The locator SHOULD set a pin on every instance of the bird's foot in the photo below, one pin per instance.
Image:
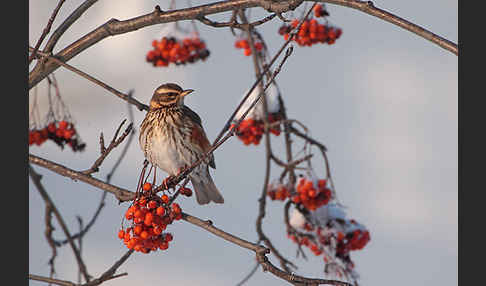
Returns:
(182, 170)
(166, 181)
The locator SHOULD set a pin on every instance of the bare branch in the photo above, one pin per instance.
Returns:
(249, 275)
(121, 194)
(115, 27)
(50, 240)
(369, 8)
(46, 30)
(36, 180)
(234, 24)
(67, 23)
(260, 252)
(121, 95)
(51, 280)
(110, 273)
(113, 144)
(207, 225)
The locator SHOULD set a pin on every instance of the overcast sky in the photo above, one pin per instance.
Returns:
(383, 101)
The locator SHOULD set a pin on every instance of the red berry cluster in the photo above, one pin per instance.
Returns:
(38, 136)
(320, 241)
(308, 242)
(319, 11)
(250, 130)
(61, 132)
(150, 216)
(310, 196)
(185, 191)
(311, 31)
(245, 45)
(171, 50)
(352, 240)
(278, 192)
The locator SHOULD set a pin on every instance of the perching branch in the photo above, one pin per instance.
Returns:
(259, 250)
(121, 194)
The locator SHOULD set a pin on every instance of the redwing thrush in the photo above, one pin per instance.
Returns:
(172, 138)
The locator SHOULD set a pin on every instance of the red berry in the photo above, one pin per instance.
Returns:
(63, 124)
(168, 237)
(165, 198)
(164, 245)
(51, 127)
(152, 204)
(160, 211)
(147, 186)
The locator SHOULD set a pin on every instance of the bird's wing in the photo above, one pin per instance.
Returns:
(193, 115)
(198, 136)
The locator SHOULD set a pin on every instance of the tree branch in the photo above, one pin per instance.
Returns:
(46, 30)
(66, 24)
(369, 8)
(115, 27)
(113, 144)
(121, 95)
(121, 194)
(36, 180)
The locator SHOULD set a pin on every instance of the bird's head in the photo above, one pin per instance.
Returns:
(168, 95)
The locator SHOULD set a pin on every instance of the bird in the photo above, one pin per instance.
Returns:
(172, 137)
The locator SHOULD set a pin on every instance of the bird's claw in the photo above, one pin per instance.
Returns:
(182, 170)
(165, 182)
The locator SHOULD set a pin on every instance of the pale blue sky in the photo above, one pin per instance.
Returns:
(383, 100)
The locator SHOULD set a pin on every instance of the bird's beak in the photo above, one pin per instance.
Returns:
(186, 92)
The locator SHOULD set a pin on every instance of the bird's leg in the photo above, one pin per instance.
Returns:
(153, 182)
(165, 182)
(182, 170)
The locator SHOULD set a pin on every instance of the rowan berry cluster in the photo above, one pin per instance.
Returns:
(179, 52)
(61, 132)
(326, 231)
(150, 215)
(250, 130)
(245, 45)
(312, 195)
(307, 241)
(278, 192)
(352, 240)
(311, 31)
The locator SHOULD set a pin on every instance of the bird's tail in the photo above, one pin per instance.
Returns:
(205, 189)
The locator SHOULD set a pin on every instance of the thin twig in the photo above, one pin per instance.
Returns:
(173, 181)
(46, 30)
(121, 95)
(121, 194)
(207, 225)
(249, 275)
(75, 15)
(80, 243)
(113, 144)
(51, 280)
(36, 180)
(115, 27)
(234, 24)
(50, 240)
